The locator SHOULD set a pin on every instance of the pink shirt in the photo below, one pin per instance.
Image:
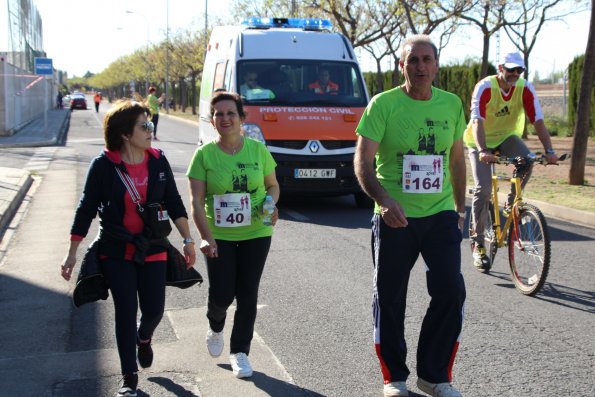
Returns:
(139, 173)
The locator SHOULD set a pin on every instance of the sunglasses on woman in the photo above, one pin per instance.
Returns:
(518, 70)
(148, 126)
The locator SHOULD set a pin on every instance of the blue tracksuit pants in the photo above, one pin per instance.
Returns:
(395, 250)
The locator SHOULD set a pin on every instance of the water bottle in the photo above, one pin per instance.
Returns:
(268, 207)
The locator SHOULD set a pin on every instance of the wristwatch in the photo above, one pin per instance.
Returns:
(550, 151)
(188, 240)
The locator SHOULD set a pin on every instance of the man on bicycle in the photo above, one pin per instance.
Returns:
(499, 106)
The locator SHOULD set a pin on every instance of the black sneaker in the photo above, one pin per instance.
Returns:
(129, 384)
(481, 261)
(145, 354)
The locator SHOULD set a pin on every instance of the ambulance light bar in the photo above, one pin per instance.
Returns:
(299, 23)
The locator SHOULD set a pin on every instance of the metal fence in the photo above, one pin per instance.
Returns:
(23, 97)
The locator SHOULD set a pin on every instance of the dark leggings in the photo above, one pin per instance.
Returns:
(155, 121)
(127, 279)
(236, 274)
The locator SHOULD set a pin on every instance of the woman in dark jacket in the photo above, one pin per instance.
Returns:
(132, 260)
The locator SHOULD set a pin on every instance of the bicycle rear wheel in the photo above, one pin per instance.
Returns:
(529, 250)
(489, 241)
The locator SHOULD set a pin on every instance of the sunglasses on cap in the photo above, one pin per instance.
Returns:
(148, 126)
(518, 70)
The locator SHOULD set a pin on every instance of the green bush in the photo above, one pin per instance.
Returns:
(557, 126)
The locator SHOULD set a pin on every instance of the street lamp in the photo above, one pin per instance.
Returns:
(146, 51)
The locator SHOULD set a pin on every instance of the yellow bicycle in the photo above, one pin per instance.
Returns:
(525, 231)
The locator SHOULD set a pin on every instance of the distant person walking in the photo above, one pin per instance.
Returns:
(97, 99)
(59, 99)
(153, 103)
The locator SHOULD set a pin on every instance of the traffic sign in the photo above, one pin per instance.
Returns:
(44, 66)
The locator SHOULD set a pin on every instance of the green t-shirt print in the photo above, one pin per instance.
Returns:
(243, 172)
(404, 126)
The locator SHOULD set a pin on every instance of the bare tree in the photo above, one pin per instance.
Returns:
(424, 17)
(488, 16)
(581, 130)
(533, 15)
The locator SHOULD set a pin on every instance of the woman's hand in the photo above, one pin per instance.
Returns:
(68, 266)
(209, 248)
(189, 254)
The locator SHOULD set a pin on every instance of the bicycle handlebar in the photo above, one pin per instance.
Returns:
(529, 159)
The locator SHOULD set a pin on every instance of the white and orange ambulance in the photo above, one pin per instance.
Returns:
(303, 93)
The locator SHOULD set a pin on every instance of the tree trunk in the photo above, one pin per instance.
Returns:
(485, 59)
(193, 93)
(395, 75)
(379, 77)
(581, 130)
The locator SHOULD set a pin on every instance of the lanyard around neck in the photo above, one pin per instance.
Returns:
(134, 195)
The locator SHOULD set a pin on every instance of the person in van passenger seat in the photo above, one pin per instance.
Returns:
(324, 85)
(251, 90)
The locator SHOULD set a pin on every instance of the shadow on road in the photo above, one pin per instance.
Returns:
(275, 387)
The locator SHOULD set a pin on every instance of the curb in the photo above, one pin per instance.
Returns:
(10, 204)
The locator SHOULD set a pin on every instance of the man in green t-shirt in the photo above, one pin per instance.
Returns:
(409, 159)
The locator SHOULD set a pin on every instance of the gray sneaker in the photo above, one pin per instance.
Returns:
(437, 389)
(215, 342)
(395, 389)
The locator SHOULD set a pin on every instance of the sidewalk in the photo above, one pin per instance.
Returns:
(14, 182)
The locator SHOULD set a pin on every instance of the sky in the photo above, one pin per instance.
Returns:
(83, 35)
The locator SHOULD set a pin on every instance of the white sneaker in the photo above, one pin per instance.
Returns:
(215, 343)
(395, 389)
(438, 389)
(240, 365)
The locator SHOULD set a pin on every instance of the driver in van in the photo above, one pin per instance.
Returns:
(324, 85)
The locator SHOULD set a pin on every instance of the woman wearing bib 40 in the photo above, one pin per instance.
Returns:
(229, 218)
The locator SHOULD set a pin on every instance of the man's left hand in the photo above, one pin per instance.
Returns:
(551, 158)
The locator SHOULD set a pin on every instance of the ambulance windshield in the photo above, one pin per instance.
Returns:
(291, 82)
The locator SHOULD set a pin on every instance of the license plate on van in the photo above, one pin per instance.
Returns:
(315, 173)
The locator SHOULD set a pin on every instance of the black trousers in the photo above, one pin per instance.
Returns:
(438, 239)
(236, 274)
(132, 285)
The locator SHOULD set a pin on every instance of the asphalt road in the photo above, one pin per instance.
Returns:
(315, 299)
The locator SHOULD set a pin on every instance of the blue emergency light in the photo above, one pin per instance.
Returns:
(298, 23)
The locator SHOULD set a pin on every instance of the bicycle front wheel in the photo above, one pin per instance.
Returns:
(529, 250)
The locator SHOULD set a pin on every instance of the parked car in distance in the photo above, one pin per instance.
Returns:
(78, 102)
